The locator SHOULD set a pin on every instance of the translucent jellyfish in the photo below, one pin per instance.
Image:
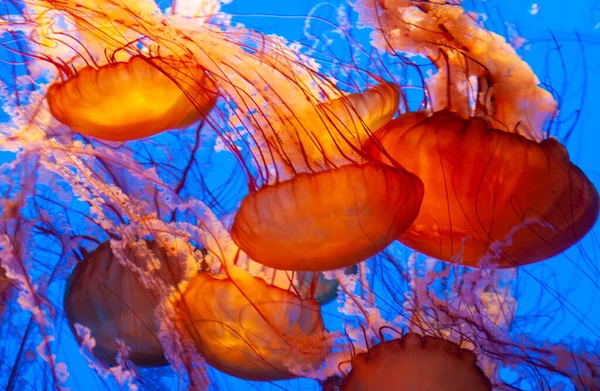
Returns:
(490, 194)
(249, 329)
(108, 298)
(130, 100)
(327, 220)
(416, 363)
(319, 287)
(501, 197)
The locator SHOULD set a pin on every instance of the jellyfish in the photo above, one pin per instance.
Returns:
(500, 195)
(246, 328)
(327, 220)
(108, 298)
(413, 362)
(488, 194)
(319, 287)
(130, 100)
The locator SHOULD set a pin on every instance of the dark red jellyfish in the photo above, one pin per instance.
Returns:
(252, 330)
(131, 100)
(488, 194)
(415, 363)
(109, 298)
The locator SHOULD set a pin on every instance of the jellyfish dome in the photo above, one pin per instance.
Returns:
(109, 299)
(249, 329)
(328, 220)
(135, 99)
(414, 363)
(489, 194)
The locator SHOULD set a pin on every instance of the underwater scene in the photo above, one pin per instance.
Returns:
(299, 195)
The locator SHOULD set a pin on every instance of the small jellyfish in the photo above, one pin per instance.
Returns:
(317, 286)
(131, 100)
(488, 193)
(328, 220)
(108, 298)
(249, 329)
(415, 363)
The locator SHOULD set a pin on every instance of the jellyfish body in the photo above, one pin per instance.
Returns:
(108, 298)
(488, 193)
(335, 130)
(328, 220)
(415, 363)
(132, 100)
(249, 329)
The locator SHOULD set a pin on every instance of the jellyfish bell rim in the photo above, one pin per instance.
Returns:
(404, 191)
(413, 347)
(82, 101)
(573, 182)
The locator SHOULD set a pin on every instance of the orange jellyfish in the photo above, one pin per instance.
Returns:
(109, 299)
(131, 100)
(488, 193)
(249, 329)
(414, 363)
(327, 220)
(338, 217)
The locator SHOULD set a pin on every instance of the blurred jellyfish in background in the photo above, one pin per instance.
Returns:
(218, 195)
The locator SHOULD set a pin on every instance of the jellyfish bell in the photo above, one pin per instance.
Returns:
(109, 299)
(249, 329)
(335, 130)
(488, 193)
(414, 363)
(328, 220)
(131, 100)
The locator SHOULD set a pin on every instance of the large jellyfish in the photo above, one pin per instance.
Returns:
(489, 194)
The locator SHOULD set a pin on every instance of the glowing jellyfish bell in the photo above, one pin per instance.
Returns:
(416, 363)
(246, 328)
(130, 100)
(498, 195)
(334, 218)
(108, 298)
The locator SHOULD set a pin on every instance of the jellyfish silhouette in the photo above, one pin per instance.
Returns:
(110, 300)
